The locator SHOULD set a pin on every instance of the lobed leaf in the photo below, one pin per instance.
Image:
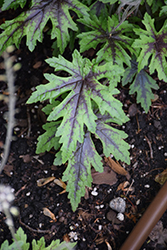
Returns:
(129, 73)
(82, 87)
(163, 10)
(79, 170)
(111, 34)
(5, 245)
(112, 140)
(13, 4)
(48, 140)
(22, 244)
(153, 47)
(87, 104)
(32, 22)
(142, 85)
(21, 236)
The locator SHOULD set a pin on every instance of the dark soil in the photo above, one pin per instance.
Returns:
(89, 222)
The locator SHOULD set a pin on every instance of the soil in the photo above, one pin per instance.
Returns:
(90, 225)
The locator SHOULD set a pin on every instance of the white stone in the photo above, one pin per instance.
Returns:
(118, 204)
(120, 216)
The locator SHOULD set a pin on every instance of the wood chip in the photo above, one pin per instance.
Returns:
(115, 166)
(162, 177)
(48, 213)
(60, 183)
(26, 158)
(43, 181)
(106, 177)
(123, 185)
(37, 65)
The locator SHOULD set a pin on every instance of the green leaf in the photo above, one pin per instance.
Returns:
(153, 47)
(5, 245)
(49, 107)
(58, 159)
(111, 34)
(48, 140)
(129, 73)
(149, 2)
(78, 172)
(109, 1)
(87, 91)
(13, 246)
(164, 9)
(112, 140)
(32, 22)
(13, 4)
(38, 245)
(82, 87)
(156, 5)
(142, 85)
(55, 245)
(21, 238)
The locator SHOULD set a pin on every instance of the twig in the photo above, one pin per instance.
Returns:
(8, 61)
(138, 125)
(22, 188)
(129, 187)
(10, 79)
(29, 122)
(149, 144)
(34, 230)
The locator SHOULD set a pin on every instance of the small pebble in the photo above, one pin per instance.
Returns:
(120, 216)
(133, 110)
(118, 204)
(73, 235)
(94, 192)
(97, 207)
(40, 225)
(16, 129)
(109, 191)
(138, 202)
